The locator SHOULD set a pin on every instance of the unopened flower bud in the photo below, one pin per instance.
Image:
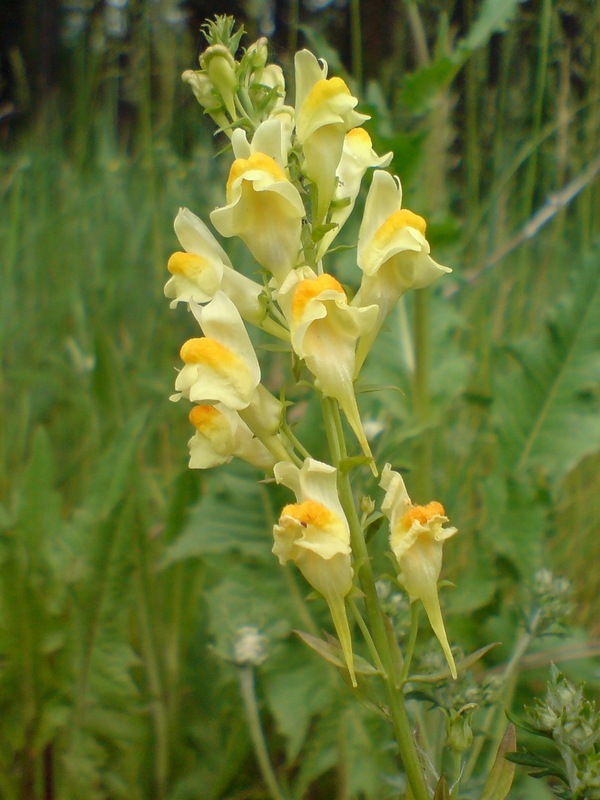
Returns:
(367, 505)
(203, 90)
(221, 68)
(458, 729)
(258, 53)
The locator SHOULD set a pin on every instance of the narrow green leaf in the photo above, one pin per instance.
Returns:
(441, 790)
(333, 654)
(500, 778)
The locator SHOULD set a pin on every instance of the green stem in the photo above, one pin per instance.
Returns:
(355, 33)
(421, 394)
(397, 710)
(366, 635)
(509, 677)
(293, 439)
(412, 640)
(275, 329)
(246, 679)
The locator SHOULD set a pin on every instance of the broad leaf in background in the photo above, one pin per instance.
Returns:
(103, 540)
(231, 516)
(547, 397)
(420, 88)
(389, 371)
(339, 742)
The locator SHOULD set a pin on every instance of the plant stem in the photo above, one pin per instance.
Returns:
(412, 640)
(395, 698)
(421, 395)
(366, 635)
(355, 32)
(246, 679)
(509, 677)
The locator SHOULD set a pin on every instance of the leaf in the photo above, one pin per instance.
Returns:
(420, 88)
(333, 654)
(543, 767)
(441, 790)
(500, 778)
(298, 688)
(462, 665)
(547, 403)
(494, 16)
(231, 517)
(354, 742)
(514, 523)
(251, 595)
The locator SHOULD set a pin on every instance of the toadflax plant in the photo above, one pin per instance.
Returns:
(294, 180)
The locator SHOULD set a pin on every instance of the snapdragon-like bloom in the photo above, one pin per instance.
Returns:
(416, 538)
(263, 207)
(393, 252)
(314, 534)
(357, 157)
(204, 268)
(221, 366)
(220, 435)
(324, 331)
(324, 115)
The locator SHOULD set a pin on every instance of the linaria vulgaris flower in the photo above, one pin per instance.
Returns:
(263, 207)
(221, 366)
(220, 435)
(324, 332)
(204, 268)
(357, 157)
(393, 252)
(324, 115)
(314, 534)
(416, 538)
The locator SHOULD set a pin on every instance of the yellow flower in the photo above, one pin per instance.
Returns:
(264, 209)
(357, 157)
(324, 331)
(204, 268)
(220, 435)
(393, 252)
(324, 115)
(222, 367)
(314, 534)
(416, 538)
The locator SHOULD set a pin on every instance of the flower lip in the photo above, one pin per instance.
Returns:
(308, 289)
(205, 417)
(310, 512)
(188, 264)
(422, 514)
(403, 218)
(204, 350)
(258, 163)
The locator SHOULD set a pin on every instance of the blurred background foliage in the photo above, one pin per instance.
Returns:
(125, 578)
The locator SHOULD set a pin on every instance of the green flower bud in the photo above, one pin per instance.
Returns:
(220, 66)
(257, 54)
(459, 735)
